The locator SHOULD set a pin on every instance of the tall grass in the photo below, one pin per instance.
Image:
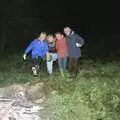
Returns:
(93, 95)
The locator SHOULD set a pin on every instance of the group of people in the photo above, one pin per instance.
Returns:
(64, 47)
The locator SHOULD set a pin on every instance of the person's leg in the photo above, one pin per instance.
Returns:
(49, 67)
(61, 67)
(60, 63)
(34, 61)
(35, 65)
(76, 66)
(50, 63)
(54, 56)
(65, 59)
(70, 65)
(65, 63)
(73, 66)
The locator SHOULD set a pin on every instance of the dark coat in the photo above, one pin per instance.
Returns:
(72, 39)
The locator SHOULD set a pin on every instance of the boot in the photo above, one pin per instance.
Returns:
(34, 70)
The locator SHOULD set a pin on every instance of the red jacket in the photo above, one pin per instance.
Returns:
(61, 46)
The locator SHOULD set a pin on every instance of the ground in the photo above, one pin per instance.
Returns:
(93, 95)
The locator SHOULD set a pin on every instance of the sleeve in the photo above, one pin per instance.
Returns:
(46, 47)
(80, 39)
(57, 45)
(29, 48)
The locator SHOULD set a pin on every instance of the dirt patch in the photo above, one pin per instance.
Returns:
(25, 101)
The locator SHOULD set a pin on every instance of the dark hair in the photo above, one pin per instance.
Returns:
(67, 27)
(59, 33)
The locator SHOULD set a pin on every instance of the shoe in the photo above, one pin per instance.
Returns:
(37, 67)
(34, 71)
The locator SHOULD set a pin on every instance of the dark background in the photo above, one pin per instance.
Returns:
(98, 22)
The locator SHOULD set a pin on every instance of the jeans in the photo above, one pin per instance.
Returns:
(62, 61)
(50, 63)
(73, 65)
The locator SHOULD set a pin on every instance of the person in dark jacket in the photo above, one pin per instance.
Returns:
(75, 42)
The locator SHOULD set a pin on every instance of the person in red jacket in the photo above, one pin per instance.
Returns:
(62, 51)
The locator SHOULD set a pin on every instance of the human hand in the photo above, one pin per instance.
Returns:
(78, 45)
(24, 56)
(48, 57)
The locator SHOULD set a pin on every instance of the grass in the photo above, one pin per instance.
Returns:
(93, 95)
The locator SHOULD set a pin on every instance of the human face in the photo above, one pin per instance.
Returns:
(58, 36)
(50, 39)
(67, 31)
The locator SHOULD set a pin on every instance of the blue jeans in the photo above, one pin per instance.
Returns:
(62, 61)
(50, 63)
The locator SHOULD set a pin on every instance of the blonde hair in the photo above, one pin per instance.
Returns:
(43, 34)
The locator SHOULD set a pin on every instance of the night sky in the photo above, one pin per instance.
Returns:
(97, 22)
(82, 15)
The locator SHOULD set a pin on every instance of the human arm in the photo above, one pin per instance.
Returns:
(79, 41)
(28, 49)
